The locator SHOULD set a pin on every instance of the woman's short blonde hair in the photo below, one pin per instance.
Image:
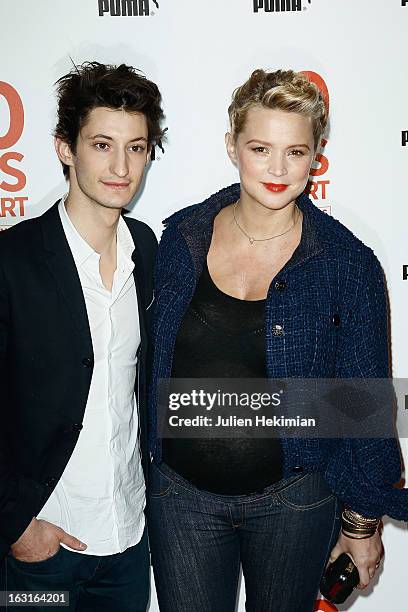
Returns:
(284, 90)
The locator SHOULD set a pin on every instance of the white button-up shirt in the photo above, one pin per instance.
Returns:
(100, 497)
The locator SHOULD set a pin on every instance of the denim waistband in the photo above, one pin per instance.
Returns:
(168, 472)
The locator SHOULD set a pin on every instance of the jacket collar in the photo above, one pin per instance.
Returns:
(196, 225)
(62, 266)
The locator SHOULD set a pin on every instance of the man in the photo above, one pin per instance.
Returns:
(75, 289)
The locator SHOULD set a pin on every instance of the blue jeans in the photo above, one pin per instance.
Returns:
(111, 583)
(282, 538)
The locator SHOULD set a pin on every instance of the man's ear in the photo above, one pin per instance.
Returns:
(231, 147)
(64, 151)
(149, 155)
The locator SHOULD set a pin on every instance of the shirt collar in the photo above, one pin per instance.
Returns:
(125, 241)
(81, 250)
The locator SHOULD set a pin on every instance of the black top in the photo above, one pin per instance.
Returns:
(223, 337)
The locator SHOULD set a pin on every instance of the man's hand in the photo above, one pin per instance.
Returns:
(42, 540)
(366, 555)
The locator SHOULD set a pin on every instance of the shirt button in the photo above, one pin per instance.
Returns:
(280, 286)
(87, 362)
(277, 330)
(297, 468)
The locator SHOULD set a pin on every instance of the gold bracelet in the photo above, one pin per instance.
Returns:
(361, 530)
(359, 526)
(358, 518)
(352, 518)
(361, 534)
(353, 537)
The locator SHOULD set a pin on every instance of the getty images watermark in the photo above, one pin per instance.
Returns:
(223, 400)
(308, 408)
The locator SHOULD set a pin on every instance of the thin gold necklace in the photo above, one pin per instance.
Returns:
(251, 238)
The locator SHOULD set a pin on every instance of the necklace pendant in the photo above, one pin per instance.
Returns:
(251, 240)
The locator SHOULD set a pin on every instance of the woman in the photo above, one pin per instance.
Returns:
(257, 282)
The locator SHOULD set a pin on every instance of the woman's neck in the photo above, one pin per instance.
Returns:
(260, 221)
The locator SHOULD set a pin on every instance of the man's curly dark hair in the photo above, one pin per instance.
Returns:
(91, 85)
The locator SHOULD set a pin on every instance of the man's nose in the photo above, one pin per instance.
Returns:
(120, 164)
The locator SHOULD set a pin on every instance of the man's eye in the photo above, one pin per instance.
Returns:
(296, 152)
(102, 146)
(137, 148)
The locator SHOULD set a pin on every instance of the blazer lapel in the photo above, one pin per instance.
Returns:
(138, 274)
(61, 264)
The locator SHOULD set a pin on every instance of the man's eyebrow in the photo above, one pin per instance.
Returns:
(138, 138)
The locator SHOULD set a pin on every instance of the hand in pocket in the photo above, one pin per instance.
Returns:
(41, 540)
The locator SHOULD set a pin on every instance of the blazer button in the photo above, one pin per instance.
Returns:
(277, 330)
(297, 468)
(87, 362)
(51, 481)
(280, 384)
(280, 286)
(336, 320)
(77, 427)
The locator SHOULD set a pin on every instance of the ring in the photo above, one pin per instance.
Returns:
(377, 565)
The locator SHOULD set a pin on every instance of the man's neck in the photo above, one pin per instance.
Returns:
(96, 224)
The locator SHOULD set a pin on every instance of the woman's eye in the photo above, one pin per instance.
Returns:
(137, 148)
(296, 152)
(260, 149)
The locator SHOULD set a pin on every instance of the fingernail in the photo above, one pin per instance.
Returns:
(82, 545)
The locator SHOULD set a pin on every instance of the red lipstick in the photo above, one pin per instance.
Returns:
(275, 187)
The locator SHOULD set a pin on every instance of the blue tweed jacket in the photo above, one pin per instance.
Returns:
(333, 315)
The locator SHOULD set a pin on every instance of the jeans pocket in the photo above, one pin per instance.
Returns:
(43, 564)
(310, 491)
(160, 485)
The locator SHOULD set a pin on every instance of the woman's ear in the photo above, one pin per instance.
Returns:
(230, 145)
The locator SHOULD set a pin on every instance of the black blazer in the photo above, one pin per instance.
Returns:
(46, 361)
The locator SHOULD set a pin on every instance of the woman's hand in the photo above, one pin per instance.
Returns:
(366, 555)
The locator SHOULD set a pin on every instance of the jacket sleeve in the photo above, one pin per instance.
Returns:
(362, 472)
(19, 497)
